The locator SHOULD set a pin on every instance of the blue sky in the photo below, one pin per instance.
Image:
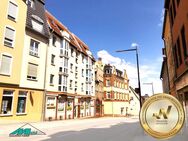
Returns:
(109, 25)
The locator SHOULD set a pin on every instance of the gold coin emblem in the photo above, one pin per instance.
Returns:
(162, 116)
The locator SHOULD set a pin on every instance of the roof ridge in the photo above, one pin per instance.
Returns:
(57, 20)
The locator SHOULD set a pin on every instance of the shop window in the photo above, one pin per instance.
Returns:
(22, 98)
(7, 100)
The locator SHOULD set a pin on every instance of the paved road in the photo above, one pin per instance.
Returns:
(100, 129)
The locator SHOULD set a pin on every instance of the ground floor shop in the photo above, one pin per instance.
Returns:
(68, 106)
(21, 104)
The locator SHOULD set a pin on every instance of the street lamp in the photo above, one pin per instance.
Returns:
(151, 86)
(137, 61)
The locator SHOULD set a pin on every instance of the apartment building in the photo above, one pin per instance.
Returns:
(116, 92)
(70, 75)
(13, 99)
(99, 93)
(175, 32)
(34, 57)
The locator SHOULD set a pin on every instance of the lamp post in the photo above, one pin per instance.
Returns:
(138, 71)
(151, 86)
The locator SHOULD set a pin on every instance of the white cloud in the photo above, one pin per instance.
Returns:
(148, 72)
(134, 45)
(161, 18)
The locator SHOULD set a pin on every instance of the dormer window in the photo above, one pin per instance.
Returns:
(37, 23)
(30, 3)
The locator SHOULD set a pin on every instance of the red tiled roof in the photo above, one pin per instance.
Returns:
(74, 40)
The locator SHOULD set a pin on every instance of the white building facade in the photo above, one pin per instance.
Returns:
(70, 83)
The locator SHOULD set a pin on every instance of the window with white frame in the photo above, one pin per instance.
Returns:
(7, 100)
(82, 72)
(32, 71)
(12, 11)
(65, 65)
(70, 85)
(66, 49)
(9, 37)
(62, 83)
(82, 87)
(108, 96)
(54, 39)
(34, 48)
(22, 99)
(51, 79)
(52, 59)
(37, 23)
(72, 51)
(30, 3)
(5, 66)
(71, 67)
(107, 83)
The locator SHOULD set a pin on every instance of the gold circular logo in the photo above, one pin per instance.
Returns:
(162, 116)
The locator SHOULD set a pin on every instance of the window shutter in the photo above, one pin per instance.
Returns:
(5, 64)
(9, 33)
(32, 70)
(12, 10)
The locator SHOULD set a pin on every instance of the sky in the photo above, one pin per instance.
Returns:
(110, 25)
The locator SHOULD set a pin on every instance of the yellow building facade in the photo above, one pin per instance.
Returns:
(17, 103)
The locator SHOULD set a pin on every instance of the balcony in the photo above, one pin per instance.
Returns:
(63, 53)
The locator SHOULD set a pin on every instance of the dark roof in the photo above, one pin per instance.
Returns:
(166, 5)
(37, 11)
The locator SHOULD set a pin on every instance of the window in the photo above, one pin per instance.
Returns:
(179, 52)
(7, 100)
(12, 11)
(108, 95)
(82, 87)
(5, 66)
(72, 51)
(107, 83)
(52, 59)
(51, 79)
(34, 47)
(37, 23)
(82, 72)
(76, 69)
(76, 84)
(71, 67)
(107, 71)
(9, 37)
(32, 71)
(76, 75)
(70, 85)
(30, 3)
(183, 38)
(83, 59)
(60, 69)
(62, 83)
(22, 98)
(54, 39)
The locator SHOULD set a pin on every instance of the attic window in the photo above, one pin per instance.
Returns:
(37, 23)
(30, 3)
